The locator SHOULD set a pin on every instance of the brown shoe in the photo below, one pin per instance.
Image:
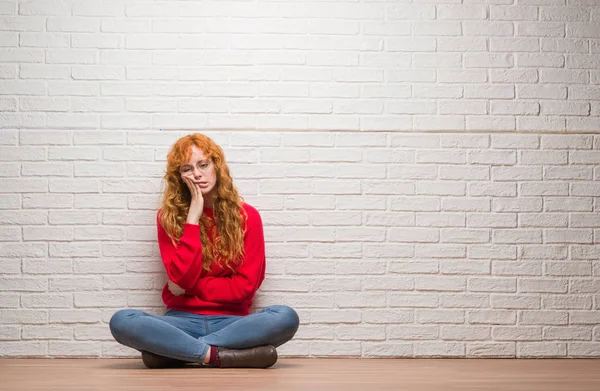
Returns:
(258, 357)
(154, 361)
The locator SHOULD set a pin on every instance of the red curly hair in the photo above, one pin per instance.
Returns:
(228, 248)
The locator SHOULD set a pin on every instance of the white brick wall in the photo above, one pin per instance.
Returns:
(498, 65)
(417, 245)
(391, 243)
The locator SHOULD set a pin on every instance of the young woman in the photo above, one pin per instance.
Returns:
(213, 250)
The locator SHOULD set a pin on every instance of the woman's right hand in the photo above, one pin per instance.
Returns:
(197, 204)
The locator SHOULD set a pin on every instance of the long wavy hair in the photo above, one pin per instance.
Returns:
(228, 248)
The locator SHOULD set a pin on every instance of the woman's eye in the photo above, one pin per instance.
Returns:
(186, 169)
(204, 166)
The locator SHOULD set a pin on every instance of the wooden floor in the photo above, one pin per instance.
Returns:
(305, 375)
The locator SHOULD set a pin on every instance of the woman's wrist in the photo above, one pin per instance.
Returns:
(193, 218)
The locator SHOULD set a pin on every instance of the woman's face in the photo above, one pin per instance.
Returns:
(201, 171)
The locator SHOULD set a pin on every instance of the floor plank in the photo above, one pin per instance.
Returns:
(306, 374)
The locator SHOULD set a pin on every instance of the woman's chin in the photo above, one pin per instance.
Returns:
(207, 192)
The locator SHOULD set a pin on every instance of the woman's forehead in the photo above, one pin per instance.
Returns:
(195, 155)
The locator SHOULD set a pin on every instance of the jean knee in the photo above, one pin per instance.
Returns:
(288, 317)
(120, 322)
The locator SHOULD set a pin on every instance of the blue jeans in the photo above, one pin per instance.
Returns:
(186, 336)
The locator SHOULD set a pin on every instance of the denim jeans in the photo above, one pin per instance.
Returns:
(187, 336)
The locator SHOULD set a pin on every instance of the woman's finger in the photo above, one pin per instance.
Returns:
(194, 189)
(190, 186)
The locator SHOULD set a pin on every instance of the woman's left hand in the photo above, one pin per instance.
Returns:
(175, 289)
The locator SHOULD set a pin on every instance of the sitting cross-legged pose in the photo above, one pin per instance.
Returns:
(212, 247)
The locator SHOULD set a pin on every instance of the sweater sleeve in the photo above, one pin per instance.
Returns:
(242, 285)
(183, 263)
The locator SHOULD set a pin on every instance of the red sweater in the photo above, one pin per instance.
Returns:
(219, 291)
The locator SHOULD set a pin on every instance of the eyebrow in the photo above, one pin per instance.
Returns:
(199, 161)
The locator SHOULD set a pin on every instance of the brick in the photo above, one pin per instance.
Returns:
(46, 201)
(518, 301)
(459, 235)
(10, 333)
(83, 300)
(464, 333)
(513, 13)
(74, 316)
(360, 332)
(335, 317)
(23, 349)
(47, 234)
(100, 201)
(73, 349)
(44, 266)
(583, 349)
(583, 317)
(539, 285)
(409, 332)
(439, 349)
(343, 349)
(491, 349)
(541, 349)
(51, 300)
(393, 316)
(23, 250)
(562, 45)
(82, 249)
(93, 332)
(543, 318)
(309, 268)
(540, 29)
(575, 302)
(10, 234)
(23, 316)
(9, 301)
(315, 333)
(516, 333)
(363, 299)
(386, 349)
(440, 316)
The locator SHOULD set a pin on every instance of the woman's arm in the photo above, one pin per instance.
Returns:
(183, 263)
(242, 285)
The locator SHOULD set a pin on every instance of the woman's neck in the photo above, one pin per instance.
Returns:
(209, 202)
